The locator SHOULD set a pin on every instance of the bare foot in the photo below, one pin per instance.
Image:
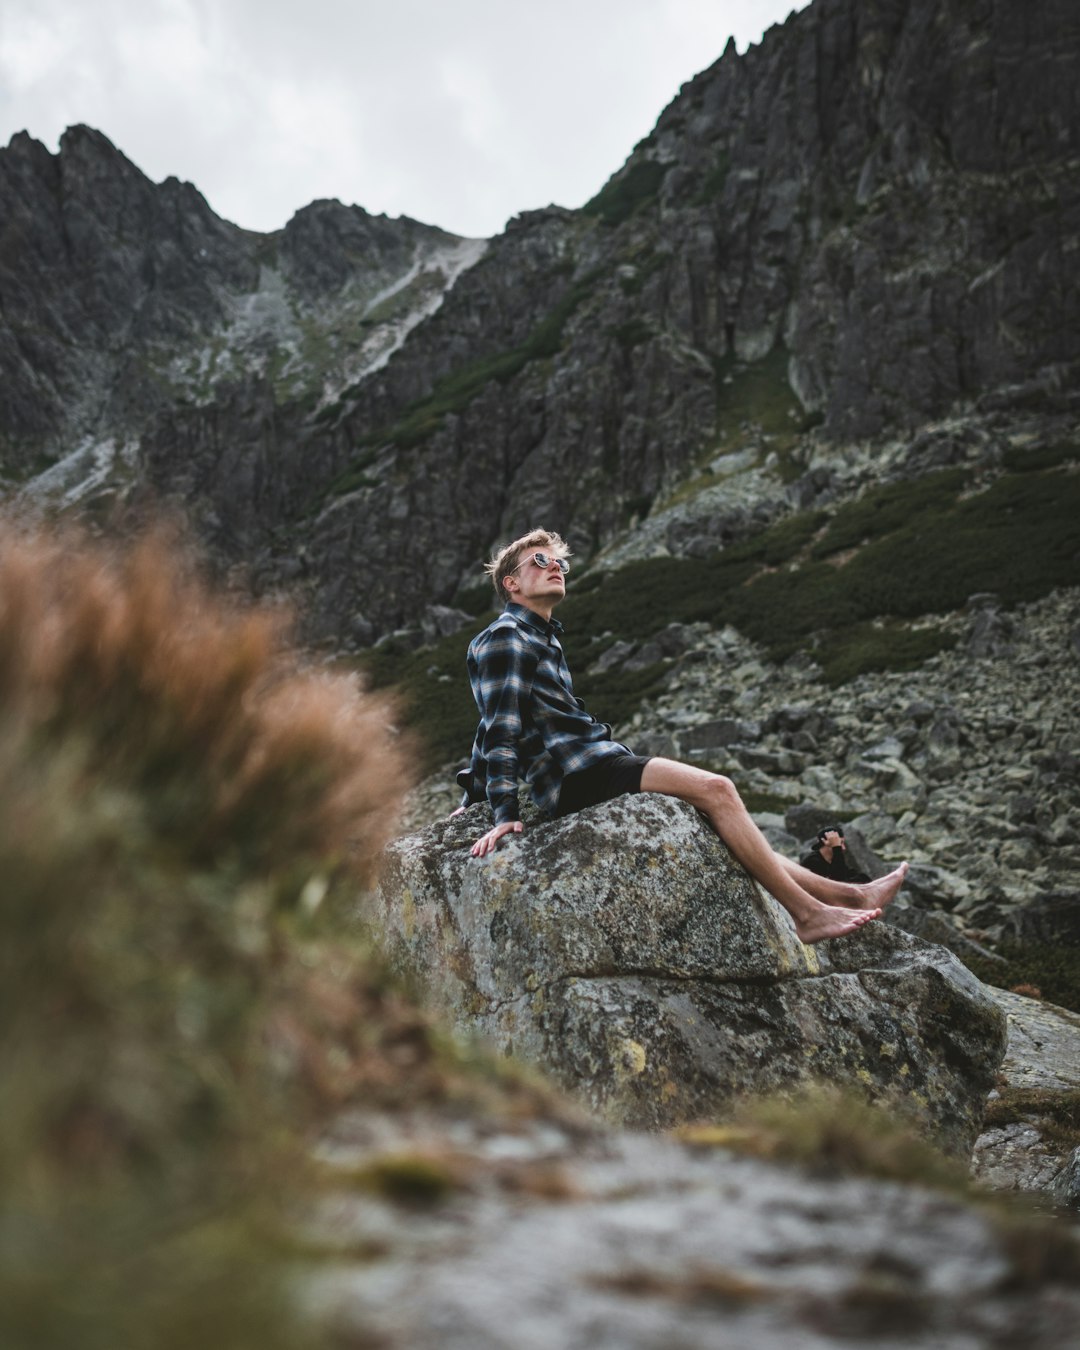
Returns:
(878, 894)
(832, 922)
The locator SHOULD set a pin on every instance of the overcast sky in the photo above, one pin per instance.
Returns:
(460, 113)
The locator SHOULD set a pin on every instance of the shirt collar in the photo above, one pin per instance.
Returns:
(549, 628)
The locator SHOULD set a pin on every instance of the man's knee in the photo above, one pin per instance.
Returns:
(722, 792)
(707, 791)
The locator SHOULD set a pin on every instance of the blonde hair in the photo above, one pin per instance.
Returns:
(506, 560)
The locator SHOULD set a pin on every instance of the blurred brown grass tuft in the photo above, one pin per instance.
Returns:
(187, 811)
(172, 691)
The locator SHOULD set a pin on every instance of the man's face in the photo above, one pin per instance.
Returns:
(537, 583)
(833, 839)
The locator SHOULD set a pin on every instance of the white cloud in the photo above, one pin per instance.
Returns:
(457, 114)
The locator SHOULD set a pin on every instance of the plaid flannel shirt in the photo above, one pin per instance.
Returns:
(531, 724)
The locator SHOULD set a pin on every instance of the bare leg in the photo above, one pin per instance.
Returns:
(717, 798)
(869, 895)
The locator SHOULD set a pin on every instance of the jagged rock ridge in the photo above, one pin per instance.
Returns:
(122, 297)
(881, 199)
(886, 190)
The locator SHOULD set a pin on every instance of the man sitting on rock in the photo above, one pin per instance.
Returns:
(533, 727)
(828, 857)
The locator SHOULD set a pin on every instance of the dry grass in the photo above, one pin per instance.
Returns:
(187, 815)
(1038, 1251)
(834, 1132)
(710, 1285)
(186, 811)
(171, 691)
(1056, 1113)
(418, 1179)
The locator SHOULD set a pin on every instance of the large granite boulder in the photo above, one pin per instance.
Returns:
(625, 951)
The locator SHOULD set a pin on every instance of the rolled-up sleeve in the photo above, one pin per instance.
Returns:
(505, 670)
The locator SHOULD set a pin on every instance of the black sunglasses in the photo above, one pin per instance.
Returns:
(543, 561)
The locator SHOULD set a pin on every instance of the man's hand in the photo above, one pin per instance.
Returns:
(486, 844)
(460, 811)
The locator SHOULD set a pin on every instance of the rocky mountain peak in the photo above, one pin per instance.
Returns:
(85, 147)
(107, 276)
(860, 226)
(326, 245)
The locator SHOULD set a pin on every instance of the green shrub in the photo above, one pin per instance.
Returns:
(780, 543)
(757, 803)
(355, 476)
(811, 420)
(637, 507)
(867, 647)
(433, 687)
(353, 481)
(331, 412)
(759, 394)
(475, 598)
(1016, 538)
(637, 600)
(616, 695)
(621, 196)
(891, 507)
(1053, 970)
(1020, 459)
(930, 565)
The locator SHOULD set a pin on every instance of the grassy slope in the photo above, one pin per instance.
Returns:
(847, 587)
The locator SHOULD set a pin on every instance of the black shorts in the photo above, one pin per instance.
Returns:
(600, 782)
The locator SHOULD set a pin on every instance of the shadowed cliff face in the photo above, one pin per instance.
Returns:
(869, 217)
(96, 260)
(870, 189)
(121, 297)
